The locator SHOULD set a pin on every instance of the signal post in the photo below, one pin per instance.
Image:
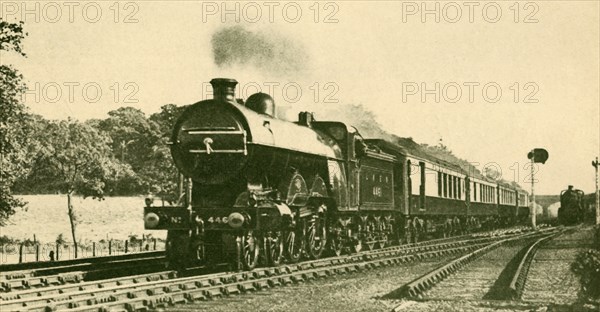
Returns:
(595, 164)
(537, 155)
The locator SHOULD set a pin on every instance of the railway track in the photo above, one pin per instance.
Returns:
(550, 279)
(494, 271)
(74, 271)
(8, 269)
(152, 291)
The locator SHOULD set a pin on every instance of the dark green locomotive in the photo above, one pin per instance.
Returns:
(571, 209)
(261, 190)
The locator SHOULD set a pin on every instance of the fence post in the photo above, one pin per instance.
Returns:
(110, 247)
(57, 249)
(21, 253)
(154, 242)
(126, 245)
(93, 249)
(37, 249)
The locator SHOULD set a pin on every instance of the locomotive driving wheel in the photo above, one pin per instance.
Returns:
(384, 241)
(317, 237)
(370, 241)
(294, 243)
(275, 246)
(416, 229)
(336, 242)
(250, 250)
(357, 246)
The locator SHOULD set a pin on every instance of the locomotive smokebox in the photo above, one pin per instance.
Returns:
(224, 89)
(209, 137)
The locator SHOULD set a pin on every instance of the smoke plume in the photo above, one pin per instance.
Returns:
(266, 51)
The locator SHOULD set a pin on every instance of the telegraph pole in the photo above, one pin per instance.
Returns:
(596, 164)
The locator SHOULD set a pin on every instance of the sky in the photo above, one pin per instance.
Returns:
(492, 80)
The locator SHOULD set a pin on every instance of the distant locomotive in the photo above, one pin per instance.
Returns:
(261, 189)
(571, 209)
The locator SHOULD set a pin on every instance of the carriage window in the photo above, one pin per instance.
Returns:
(459, 189)
(439, 180)
(445, 185)
(455, 187)
(481, 193)
(484, 193)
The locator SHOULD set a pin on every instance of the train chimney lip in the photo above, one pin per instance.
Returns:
(224, 89)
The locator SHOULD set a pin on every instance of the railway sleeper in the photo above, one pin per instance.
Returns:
(213, 292)
(274, 282)
(229, 290)
(173, 288)
(246, 286)
(195, 295)
(189, 285)
(262, 284)
(203, 284)
(158, 301)
(285, 280)
(259, 274)
(297, 278)
(14, 285)
(15, 275)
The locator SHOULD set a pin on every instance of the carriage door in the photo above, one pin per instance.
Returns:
(467, 187)
(422, 186)
(409, 170)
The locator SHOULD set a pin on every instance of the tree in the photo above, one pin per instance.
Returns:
(164, 173)
(142, 143)
(12, 112)
(74, 159)
(133, 135)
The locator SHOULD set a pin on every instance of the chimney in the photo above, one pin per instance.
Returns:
(224, 89)
(306, 119)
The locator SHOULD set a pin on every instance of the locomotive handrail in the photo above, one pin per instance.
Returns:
(198, 151)
(192, 131)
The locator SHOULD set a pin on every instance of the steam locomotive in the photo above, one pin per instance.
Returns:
(571, 209)
(260, 190)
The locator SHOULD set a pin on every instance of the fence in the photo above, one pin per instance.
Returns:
(22, 252)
